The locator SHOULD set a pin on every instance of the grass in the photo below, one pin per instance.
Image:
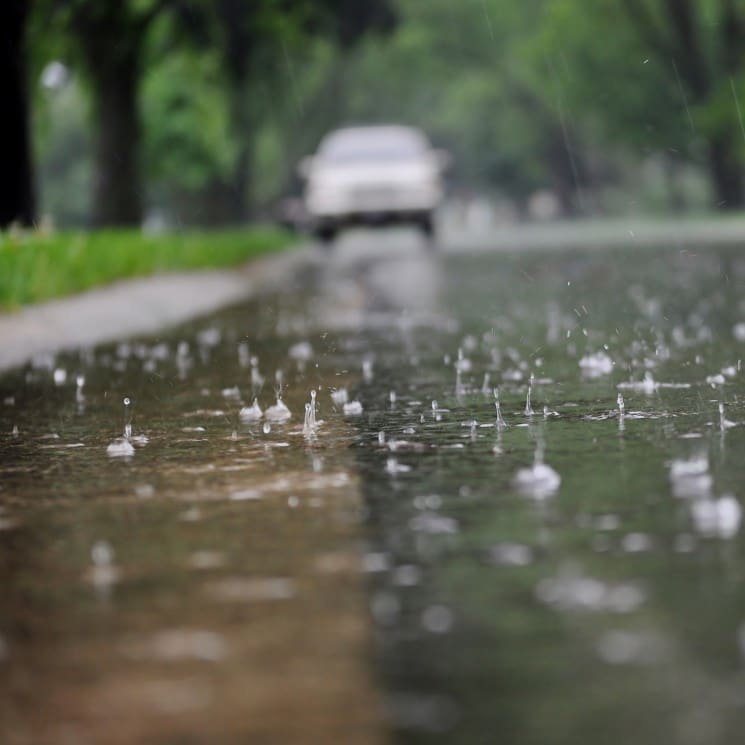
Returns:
(35, 267)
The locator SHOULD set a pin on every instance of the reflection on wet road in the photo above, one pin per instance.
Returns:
(567, 572)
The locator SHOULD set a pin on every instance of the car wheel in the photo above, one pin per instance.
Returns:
(427, 225)
(326, 234)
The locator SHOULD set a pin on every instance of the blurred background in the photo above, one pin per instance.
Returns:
(196, 112)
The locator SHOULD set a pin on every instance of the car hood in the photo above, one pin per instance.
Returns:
(362, 174)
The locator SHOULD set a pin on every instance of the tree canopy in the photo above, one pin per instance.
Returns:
(201, 109)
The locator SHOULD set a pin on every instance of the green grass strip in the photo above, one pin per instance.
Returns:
(35, 267)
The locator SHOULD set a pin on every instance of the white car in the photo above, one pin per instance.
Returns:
(373, 175)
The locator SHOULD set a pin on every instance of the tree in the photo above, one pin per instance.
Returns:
(108, 39)
(17, 202)
(664, 81)
(112, 43)
(255, 41)
(705, 43)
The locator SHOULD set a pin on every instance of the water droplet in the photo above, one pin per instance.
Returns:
(528, 407)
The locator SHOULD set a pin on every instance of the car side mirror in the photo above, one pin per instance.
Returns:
(444, 159)
(304, 166)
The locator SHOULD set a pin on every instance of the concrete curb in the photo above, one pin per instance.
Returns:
(137, 306)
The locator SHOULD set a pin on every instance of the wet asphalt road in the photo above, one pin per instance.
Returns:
(406, 572)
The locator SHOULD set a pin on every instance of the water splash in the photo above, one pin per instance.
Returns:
(539, 480)
(717, 518)
(724, 423)
(353, 408)
(528, 407)
(257, 379)
(459, 387)
(279, 412)
(244, 354)
(690, 478)
(310, 425)
(122, 447)
(340, 396)
(127, 417)
(104, 573)
(596, 365)
(251, 413)
(648, 385)
(501, 424)
(393, 467)
(485, 389)
(301, 352)
(79, 383)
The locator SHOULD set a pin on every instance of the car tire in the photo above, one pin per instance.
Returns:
(426, 224)
(326, 234)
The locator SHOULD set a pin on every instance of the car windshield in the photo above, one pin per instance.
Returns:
(354, 146)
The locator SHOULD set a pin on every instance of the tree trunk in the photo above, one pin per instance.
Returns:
(567, 170)
(726, 174)
(243, 128)
(117, 198)
(17, 202)
(240, 182)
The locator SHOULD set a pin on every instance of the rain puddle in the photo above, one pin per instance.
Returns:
(514, 480)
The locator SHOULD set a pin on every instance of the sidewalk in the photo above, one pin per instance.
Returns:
(137, 306)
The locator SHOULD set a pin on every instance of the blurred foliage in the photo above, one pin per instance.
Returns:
(186, 120)
(606, 104)
(36, 267)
